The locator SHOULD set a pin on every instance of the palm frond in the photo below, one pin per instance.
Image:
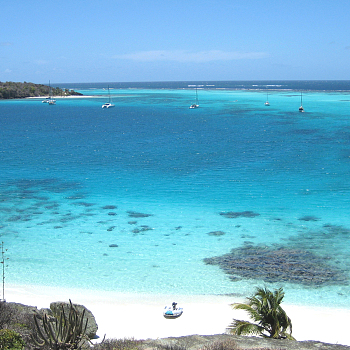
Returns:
(239, 327)
(252, 312)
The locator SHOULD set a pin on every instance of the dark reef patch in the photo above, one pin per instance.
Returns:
(304, 131)
(326, 240)
(68, 218)
(146, 228)
(142, 228)
(15, 218)
(248, 236)
(334, 230)
(52, 206)
(279, 264)
(134, 214)
(84, 204)
(49, 185)
(110, 207)
(87, 214)
(76, 196)
(41, 198)
(216, 233)
(309, 218)
(239, 214)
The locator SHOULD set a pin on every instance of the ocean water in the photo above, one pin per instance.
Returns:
(134, 198)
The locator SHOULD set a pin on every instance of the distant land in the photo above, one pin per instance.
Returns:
(11, 90)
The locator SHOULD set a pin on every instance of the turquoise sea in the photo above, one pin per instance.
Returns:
(134, 198)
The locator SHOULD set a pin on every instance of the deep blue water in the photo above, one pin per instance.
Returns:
(75, 179)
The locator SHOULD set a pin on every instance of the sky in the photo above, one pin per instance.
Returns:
(165, 40)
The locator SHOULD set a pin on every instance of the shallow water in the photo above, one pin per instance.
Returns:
(129, 199)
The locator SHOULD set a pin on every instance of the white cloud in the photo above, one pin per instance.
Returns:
(186, 56)
(8, 71)
(5, 43)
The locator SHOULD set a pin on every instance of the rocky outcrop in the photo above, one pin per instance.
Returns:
(92, 327)
(26, 314)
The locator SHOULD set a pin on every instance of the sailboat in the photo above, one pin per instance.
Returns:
(267, 103)
(195, 105)
(301, 108)
(108, 104)
(49, 99)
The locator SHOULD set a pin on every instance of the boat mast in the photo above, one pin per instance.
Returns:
(301, 108)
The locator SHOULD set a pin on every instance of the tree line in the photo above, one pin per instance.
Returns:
(11, 90)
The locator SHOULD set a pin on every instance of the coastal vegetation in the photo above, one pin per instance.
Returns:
(18, 328)
(12, 90)
(264, 308)
(10, 340)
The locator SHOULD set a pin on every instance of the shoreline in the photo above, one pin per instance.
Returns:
(61, 97)
(139, 316)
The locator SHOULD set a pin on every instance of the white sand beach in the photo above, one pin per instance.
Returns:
(140, 315)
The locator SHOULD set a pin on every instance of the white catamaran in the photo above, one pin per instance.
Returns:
(108, 104)
(267, 103)
(49, 99)
(301, 108)
(195, 105)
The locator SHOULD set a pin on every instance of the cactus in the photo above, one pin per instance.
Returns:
(62, 332)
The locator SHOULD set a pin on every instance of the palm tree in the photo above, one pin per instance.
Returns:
(264, 308)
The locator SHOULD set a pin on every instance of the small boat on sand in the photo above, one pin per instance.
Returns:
(172, 311)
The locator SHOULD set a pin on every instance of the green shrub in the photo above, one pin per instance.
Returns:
(10, 340)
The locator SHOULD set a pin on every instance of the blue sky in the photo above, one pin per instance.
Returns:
(152, 40)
